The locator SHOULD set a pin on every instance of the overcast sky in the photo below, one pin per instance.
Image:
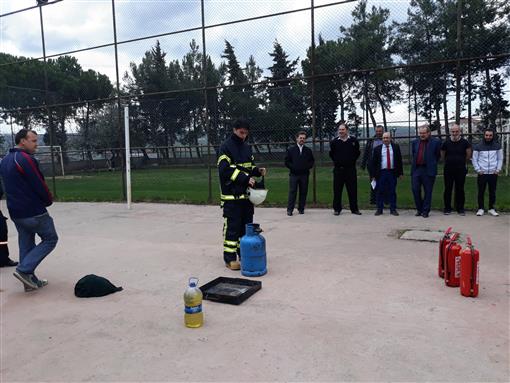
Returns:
(77, 24)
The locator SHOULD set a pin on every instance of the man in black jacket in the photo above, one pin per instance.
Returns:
(385, 167)
(299, 159)
(237, 171)
(344, 151)
(372, 143)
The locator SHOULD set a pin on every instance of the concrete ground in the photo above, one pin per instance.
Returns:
(343, 300)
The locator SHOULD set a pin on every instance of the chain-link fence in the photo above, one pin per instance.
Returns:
(188, 69)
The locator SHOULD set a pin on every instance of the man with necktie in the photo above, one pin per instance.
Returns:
(385, 167)
(426, 153)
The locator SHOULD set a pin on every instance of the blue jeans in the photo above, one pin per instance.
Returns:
(30, 254)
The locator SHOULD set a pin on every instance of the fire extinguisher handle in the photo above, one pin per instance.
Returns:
(455, 236)
(469, 242)
(448, 231)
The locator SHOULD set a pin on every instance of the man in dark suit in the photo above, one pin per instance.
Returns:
(371, 144)
(426, 153)
(344, 151)
(299, 159)
(385, 167)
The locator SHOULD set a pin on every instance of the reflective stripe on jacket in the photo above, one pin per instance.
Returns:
(235, 167)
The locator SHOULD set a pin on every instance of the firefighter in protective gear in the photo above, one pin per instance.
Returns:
(236, 171)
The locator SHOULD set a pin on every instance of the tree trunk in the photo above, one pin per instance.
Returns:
(459, 55)
(367, 107)
(172, 146)
(438, 118)
(374, 123)
(488, 118)
(470, 120)
(341, 99)
(445, 105)
(86, 137)
(196, 138)
(381, 102)
(415, 108)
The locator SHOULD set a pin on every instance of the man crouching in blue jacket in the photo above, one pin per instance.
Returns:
(27, 199)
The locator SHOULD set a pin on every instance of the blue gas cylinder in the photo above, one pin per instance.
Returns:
(253, 252)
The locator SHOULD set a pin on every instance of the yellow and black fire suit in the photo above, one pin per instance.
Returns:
(235, 167)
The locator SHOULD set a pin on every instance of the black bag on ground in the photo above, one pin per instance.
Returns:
(94, 286)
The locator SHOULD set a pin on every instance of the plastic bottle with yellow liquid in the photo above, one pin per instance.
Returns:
(193, 315)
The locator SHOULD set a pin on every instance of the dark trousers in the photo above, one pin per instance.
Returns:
(420, 180)
(4, 249)
(345, 176)
(373, 195)
(454, 177)
(483, 181)
(387, 189)
(236, 214)
(297, 182)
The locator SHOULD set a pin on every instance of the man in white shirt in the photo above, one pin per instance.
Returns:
(385, 167)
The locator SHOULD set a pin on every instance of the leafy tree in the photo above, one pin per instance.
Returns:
(158, 113)
(368, 41)
(285, 110)
(239, 99)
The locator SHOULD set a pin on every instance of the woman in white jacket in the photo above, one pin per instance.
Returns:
(487, 160)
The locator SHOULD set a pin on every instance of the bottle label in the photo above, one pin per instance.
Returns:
(457, 267)
(193, 309)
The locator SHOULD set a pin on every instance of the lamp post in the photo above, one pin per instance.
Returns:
(41, 3)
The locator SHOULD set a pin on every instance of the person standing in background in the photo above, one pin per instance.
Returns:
(426, 151)
(372, 143)
(385, 167)
(344, 151)
(487, 161)
(455, 151)
(299, 160)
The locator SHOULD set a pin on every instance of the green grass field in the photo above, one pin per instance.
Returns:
(190, 185)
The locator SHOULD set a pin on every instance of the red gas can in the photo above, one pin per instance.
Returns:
(469, 270)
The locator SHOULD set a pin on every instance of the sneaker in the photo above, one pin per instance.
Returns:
(479, 212)
(40, 283)
(493, 212)
(289, 213)
(378, 212)
(357, 212)
(27, 279)
(337, 212)
(447, 211)
(394, 212)
(233, 265)
(462, 212)
(417, 214)
(301, 212)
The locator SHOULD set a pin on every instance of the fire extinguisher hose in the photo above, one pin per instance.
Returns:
(472, 277)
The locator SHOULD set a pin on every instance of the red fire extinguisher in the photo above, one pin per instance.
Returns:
(452, 262)
(469, 270)
(443, 243)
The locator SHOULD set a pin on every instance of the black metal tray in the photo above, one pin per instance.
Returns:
(233, 291)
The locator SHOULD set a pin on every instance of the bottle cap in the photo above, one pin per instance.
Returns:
(193, 281)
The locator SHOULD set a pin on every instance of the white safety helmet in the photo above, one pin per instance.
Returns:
(257, 196)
